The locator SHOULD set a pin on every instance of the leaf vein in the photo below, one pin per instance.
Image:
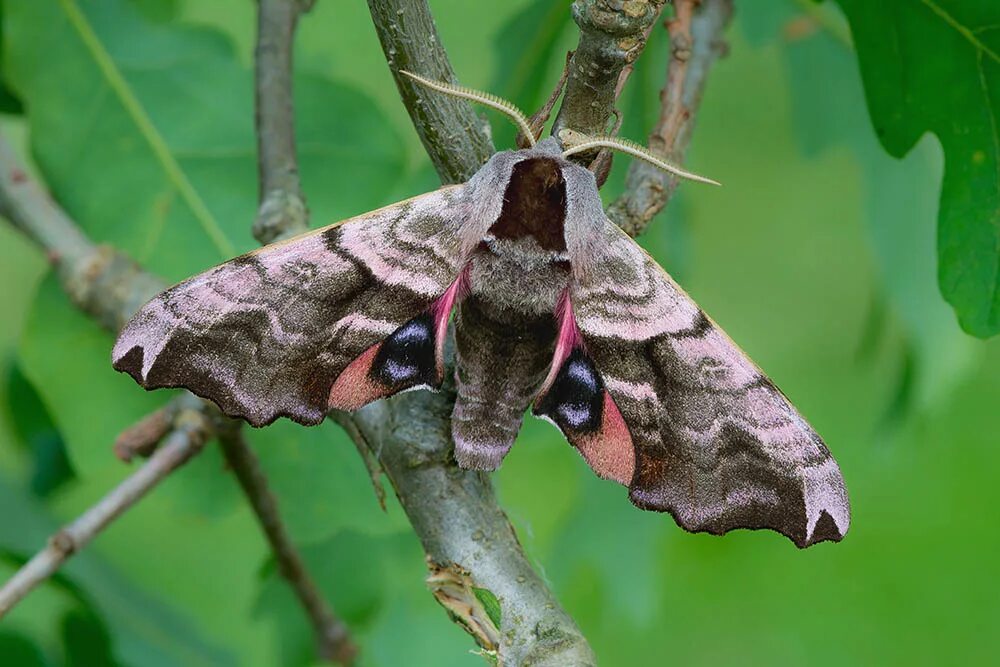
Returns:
(961, 29)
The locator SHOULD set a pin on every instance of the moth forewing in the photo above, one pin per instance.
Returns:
(268, 333)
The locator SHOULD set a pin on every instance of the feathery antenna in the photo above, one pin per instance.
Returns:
(579, 143)
(486, 99)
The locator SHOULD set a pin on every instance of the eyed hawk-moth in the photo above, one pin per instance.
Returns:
(554, 307)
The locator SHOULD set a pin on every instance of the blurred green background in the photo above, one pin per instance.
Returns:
(818, 257)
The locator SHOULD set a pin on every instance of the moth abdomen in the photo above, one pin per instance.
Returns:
(501, 356)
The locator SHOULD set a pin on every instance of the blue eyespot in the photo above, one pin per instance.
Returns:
(407, 357)
(575, 401)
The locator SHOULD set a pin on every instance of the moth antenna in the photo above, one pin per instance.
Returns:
(486, 99)
(580, 143)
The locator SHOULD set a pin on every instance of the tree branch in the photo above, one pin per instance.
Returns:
(466, 534)
(455, 137)
(143, 437)
(695, 44)
(612, 35)
(191, 430)
(283, 210)
(101, 281)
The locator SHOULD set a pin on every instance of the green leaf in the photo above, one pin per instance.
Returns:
(146, 633)
(157, 10)
(34, 427)
(8, 101)
(19, 651)
(490, 604)
(86, 640)
(144, 132)
(934, 66)
(900, 195)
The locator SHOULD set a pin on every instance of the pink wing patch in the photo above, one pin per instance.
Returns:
(354, 387)
(609, 451)
(574, 398)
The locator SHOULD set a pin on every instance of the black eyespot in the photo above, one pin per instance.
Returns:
(406, 357)
(575, 401)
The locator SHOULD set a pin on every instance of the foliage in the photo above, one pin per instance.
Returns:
(817, 256)
(911, 90)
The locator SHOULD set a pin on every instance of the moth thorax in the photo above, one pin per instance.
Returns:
(534, 204)
(519, 276)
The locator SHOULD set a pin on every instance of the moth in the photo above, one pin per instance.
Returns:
(555, 309)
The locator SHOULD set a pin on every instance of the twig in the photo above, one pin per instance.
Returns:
(695, 43)
(102, 282)
(365, 450)
(283, 210)
(540, 117)
(462, 528)
(612, 35)
(143, 437)
(331, 632)
(187, 438)
(455, 137)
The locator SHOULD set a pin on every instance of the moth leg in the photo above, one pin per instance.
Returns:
(574, 398)
(501, 358)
